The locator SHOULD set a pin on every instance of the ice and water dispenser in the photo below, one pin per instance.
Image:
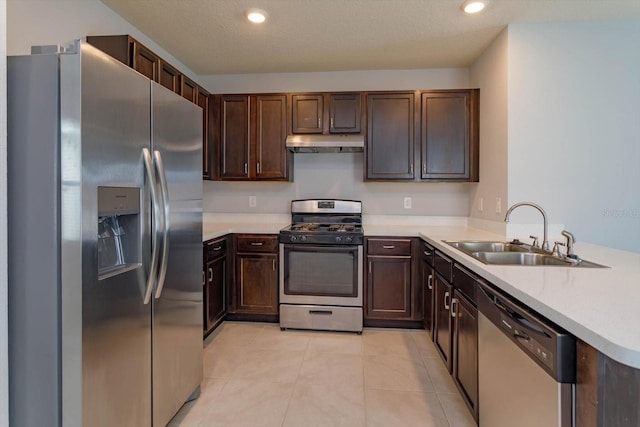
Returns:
(119, 233)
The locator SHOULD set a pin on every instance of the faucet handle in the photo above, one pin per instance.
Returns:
(556, 248)
(535, 241)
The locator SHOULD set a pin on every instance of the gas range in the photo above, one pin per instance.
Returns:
(324, 222)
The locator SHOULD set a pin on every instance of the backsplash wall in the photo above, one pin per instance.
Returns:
(337, 175)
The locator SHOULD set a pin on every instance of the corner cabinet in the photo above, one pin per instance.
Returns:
(449, 135)
(422, 136)
(253, 132)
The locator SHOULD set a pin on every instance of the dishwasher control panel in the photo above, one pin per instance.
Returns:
(524, 338)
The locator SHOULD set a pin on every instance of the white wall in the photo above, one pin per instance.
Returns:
(574, 127)
(490, 73)
(47, 22)
(4, 355)
(338, 175)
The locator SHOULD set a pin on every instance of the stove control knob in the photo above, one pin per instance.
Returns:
(338, 238)
(303, 238)
(293, 238)
(349, 239)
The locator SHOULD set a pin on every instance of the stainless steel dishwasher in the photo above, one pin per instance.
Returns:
(526, 366)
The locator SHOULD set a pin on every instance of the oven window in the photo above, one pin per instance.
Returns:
(321, 270)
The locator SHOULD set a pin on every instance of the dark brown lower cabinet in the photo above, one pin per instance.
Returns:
(427, 277)
(389, 287)
(215, 277)
(442, 334)
(465, 350)
(256, 275)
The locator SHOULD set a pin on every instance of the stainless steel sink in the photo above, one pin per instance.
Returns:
(515, 253)
(477, 246)
(519, 258)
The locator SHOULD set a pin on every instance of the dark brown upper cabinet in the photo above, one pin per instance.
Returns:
(422, 136)
(253, 132)
(169, 76)
(307, 113)
(325, 113)
(449, 136)
(134, 54)
(391, 136)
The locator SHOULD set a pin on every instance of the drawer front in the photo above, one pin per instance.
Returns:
(427, 252)
(464, 282)
(257, 243)
(214, 249)
(379, 246)
(443, 265)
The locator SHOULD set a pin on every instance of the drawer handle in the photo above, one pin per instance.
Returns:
(389, 246)
(321, 312)
(217, 248)
(427, 253)
(446, 304)
(430, 282)
(257, 243)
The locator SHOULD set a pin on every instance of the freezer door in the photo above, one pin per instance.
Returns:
(177, 302)
(106, 327)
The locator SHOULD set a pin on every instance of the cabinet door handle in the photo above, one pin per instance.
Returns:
(453, 304)
(446, 297)
(258, 167)
(319, 124)
(369, 267)
(257, 243)
(273, 264)
(388, 246)
(210, 274)
(411, 170)
(246, 168)
(424, 169)
(331, 122)
(430, 282)
(204, 281)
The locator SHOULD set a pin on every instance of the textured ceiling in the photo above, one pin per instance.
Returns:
(213, 36)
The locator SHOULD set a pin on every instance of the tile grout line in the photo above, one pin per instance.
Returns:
(295, 383)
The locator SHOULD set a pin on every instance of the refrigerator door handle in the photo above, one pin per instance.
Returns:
(164, 189)
(146, 156)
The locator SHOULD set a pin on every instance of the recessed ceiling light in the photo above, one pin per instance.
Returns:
(473, 6)
(256, 16)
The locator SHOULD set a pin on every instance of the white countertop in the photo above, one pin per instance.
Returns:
(601, 306)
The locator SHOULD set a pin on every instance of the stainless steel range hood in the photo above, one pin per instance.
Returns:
(325, 143)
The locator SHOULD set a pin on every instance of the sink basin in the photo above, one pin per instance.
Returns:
(519, 258)
(507, 253)
(477, 246)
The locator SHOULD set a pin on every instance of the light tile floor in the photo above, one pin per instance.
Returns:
(256, 375)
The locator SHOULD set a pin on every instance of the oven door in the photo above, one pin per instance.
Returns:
(324, 275)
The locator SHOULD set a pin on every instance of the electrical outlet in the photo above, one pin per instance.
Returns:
(407, 202)
(481, 204)
(498, 205)
(252, 201)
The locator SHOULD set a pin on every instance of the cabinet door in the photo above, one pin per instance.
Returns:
(388, 287)
(443, 331)
(169, 77)
(257, 281)
(465, 360)
(428, 294)
(344, 113)
(216, 274)
(390, 136)
(234, 137)
(145, 62)
(446, 131)
(189, 90)
(203, 102)
(269, 136)
(307, 113)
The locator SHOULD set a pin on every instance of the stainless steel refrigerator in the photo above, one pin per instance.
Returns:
(105, 246)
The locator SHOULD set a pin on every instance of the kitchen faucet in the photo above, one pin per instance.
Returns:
(545, 241)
